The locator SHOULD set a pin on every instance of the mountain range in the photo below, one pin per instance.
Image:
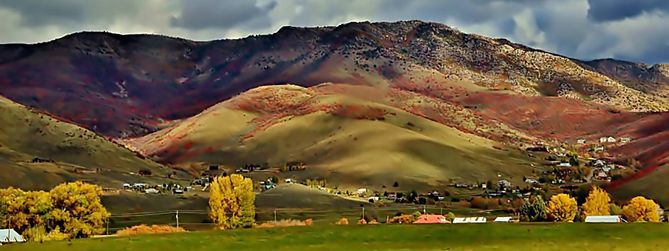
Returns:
(370, 104)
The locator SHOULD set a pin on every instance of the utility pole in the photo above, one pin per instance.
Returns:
(177, 216)
(363, 212)
(107, 226)
(275, 215)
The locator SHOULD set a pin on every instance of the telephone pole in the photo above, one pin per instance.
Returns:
(177, 216)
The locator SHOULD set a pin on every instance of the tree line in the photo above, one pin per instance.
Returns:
(69, 210)
(564, 208)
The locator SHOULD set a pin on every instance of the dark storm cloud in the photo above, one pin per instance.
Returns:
(611, 10)
(204, 14)
(586, 29)
(45, 12)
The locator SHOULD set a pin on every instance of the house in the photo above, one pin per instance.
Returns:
(604, 219)
(139, 186)
(602, 140)
(288, 181)
(431, 219)
(610, 139)
(373, 199)
(10, 236)
(564, 164)
(361, 191)
(503, 219)
(151, 191)
(504, 183)
(580, 141)
(625, 140)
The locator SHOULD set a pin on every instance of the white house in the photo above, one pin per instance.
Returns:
(625, 140)
(580, 141)
(604, 219)
(611, 139)
(602, 140)
(10, 236)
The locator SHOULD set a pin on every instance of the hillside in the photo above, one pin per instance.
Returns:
(131, 85)
(38, 152)
(344, 139)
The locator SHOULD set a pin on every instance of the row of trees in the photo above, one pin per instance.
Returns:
(70, 210)
(564, 208)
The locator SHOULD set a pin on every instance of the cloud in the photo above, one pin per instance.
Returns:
(609, 10)
(586, 29)
(206, 14)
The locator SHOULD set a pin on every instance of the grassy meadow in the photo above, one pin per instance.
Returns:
(389, 237)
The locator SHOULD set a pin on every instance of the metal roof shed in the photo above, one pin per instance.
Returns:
(603, 219)
(10, 236)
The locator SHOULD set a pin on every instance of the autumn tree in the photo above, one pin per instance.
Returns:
(533, 210)
(641, 209)
(597, 203)
(77, 209)
(231, 202)
(562, 208)
(24, 209)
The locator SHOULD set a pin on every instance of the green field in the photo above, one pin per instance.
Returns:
(390, 237)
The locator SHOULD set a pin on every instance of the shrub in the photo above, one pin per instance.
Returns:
(362, 222)
(286, 223)
(342, 221)
(403, 219)
(153, 229)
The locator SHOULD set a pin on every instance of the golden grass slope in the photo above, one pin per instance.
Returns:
(26, 135)
(346, 140)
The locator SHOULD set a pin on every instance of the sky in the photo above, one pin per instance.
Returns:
(635, 30)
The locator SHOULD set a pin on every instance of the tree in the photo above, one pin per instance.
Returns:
(450, 216)
(231, 202)
(24, 209)
(597, 203)
(641, 209)
(77, 209)
(562, 208)
(533, 210)
(396, 184)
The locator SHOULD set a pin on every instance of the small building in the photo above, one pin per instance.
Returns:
(604, 219)
(564, 164)
(151, 191)
(361, 191)
(431, 219)
(504, 183)
(580, 141)
(9, 235)
(602, 140)
(625, 140)
(610, 139)
(470, 220)
(503, 219)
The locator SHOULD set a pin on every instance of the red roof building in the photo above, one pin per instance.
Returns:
(431, 219)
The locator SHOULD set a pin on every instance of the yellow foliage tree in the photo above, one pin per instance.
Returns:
(78, 210)
(597, 203)
(232, 202)
(641, 209)
(24, 209)
(562, 207)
